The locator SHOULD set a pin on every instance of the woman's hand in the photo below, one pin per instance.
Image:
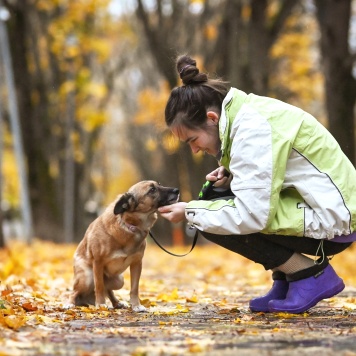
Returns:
(174, 213)
(219, 176)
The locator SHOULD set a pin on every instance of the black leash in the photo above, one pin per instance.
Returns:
(171, 253)
(208, 192)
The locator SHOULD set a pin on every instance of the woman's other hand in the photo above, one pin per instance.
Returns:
(221, 177)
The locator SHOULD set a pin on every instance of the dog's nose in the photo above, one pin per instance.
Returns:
(176, 191)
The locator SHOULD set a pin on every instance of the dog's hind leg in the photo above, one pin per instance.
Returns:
(117, 304)
(83, 287)
(114, 283)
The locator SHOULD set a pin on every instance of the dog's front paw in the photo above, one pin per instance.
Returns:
(101, 306)
(121, 305)
(139, 309)
(68, 306)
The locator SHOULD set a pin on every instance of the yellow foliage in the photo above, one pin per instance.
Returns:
(192, 299)
(79, 34)
(111, 186)
(170, 142)
(151, 144)
(45, 5)
(74, 35)
(70, 35)
(182, 309)
(13, 321)
(151, 104)
(95, 90)
(273, 8)
(246, 12)
(54, 168)
(198, 157)
(101, 47)
(66, 88)
(298, 69)
(169, 297)
(31, 298)
(10, 182)
(90, 118)
(210, 32)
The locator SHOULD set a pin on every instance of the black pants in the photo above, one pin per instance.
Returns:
(272, 251)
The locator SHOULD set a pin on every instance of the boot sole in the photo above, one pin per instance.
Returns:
(326, 294)
(255, 310)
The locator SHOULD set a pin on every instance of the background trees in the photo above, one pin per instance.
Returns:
(92, 87)
(337, 59)
(57, 50)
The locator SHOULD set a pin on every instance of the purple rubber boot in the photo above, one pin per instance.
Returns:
(306, 293)
(278, 291)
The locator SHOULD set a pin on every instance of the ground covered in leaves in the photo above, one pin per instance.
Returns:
(197, 304)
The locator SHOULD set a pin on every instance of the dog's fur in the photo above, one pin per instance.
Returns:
(115, 241)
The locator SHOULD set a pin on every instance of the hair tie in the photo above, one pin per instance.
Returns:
(186, 66)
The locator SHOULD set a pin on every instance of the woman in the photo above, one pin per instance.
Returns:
(294, 189)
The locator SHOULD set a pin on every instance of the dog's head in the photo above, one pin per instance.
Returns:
(146, 196)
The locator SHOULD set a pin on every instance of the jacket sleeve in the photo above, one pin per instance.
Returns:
(252, 168)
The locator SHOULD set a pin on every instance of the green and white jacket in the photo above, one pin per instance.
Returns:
(290, 176)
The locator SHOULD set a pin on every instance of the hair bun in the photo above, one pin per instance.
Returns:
(188, 71)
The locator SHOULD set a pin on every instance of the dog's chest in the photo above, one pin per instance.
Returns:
(119, 260)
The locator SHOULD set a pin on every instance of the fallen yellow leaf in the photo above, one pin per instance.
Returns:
(169, 297)
(14, 322)
(195, 348)
(192, 299)
(182, 309)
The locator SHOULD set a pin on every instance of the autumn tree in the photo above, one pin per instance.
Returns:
(230, 38)
(55, 47)
(67, 62)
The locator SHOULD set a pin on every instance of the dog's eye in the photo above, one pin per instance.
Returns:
(153, 190)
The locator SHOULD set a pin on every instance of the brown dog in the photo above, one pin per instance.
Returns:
(115, 241)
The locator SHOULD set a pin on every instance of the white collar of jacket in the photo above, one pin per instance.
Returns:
(230, 106)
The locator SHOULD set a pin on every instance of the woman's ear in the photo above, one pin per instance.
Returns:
(213, 116)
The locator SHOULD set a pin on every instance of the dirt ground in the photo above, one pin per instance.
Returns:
(196, 305)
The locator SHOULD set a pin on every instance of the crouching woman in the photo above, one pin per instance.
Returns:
(294, 190)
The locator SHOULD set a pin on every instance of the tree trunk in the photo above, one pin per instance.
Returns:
(337, 62)
(43, 120)
(242, 53)
(35, 128)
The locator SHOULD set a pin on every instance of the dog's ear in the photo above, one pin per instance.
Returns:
(124, 203)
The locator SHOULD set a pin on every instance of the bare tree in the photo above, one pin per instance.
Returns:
(337, 61)
(242, 48)
(165, 40)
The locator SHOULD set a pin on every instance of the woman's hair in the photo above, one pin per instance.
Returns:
(189, 103)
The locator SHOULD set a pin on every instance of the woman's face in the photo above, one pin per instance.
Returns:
(203, 139)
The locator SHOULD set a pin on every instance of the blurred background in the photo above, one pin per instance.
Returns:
(83, 87)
